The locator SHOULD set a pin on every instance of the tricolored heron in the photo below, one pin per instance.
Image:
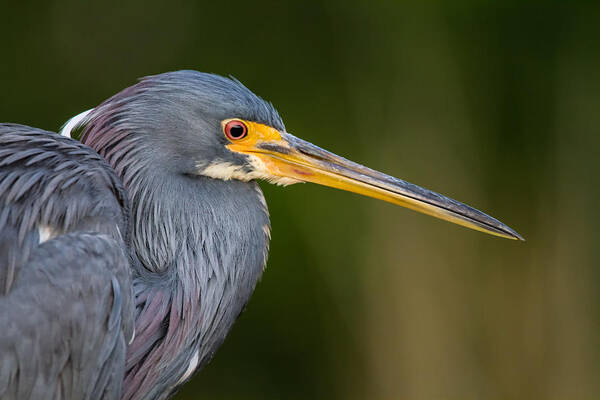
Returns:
(125, 258)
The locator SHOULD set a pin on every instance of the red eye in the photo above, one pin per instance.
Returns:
(235, 130)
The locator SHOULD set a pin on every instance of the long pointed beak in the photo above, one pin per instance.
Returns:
(291, 157)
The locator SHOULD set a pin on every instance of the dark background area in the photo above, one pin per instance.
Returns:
(495, 105)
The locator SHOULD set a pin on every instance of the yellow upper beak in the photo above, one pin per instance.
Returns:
(284, 155)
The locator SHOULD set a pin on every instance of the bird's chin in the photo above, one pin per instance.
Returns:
(257, 169)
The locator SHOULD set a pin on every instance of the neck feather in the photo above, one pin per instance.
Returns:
(198, 247)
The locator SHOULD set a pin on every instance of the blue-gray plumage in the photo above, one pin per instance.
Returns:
(157, 135)
(153, 221)
(78, 283)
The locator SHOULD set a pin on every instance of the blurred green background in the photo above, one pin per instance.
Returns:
(497, 105)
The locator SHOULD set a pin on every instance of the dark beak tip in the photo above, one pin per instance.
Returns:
(515, 235)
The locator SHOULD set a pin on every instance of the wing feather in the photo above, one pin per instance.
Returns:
(66, 301)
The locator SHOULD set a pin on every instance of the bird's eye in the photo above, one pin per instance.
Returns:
(235, 130)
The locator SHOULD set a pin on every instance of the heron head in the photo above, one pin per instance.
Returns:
(203, 124)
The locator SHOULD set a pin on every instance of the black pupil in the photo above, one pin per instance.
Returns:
(237, 131)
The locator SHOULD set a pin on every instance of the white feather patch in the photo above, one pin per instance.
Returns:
(46, 233)
(191, 368)
(267, 231)
(73, 122)
(226, 171)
